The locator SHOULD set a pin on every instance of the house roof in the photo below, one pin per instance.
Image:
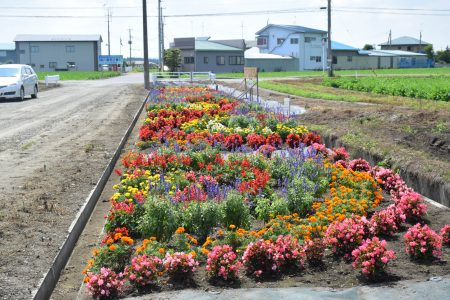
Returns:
(405, 40)
(389, 53)
(236, 43)
(212, 46)
(58, 38)
(254, 53)
(340, 46)
(293, 28)
(7, 46)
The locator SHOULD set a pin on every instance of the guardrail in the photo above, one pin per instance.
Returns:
(182, 76)
(51, 79)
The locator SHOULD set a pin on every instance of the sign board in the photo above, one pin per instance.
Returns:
(250, 72)
(110, 59)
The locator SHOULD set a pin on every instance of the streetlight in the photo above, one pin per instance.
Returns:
(329, 52)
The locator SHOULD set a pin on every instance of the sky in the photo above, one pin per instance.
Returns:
(354, 22)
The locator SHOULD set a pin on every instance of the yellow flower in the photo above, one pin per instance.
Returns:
(232, 226)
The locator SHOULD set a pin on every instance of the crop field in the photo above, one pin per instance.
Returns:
(384, 72)
(436, 88)
(79, 75)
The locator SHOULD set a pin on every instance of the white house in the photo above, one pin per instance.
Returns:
(308, 45)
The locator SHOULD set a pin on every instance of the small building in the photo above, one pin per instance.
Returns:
(7, 53)
(59, 52)
(405, 43)
(205, 55)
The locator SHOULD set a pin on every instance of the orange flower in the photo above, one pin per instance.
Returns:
(179, 230)
(112, 248)
(232, 226)
(161, 250)
(205, 251)
(127, 240)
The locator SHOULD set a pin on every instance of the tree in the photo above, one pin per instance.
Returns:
(368, 47)
(443, 56)
(172, 59)
(428, 49)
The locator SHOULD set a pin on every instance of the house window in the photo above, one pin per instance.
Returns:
(236, 60)
(334, 61)
(261, 41)
(349, 58)
(280, 41)
(294, 41)
(220, 60)
(315, 58)
(34, 49)
(309, 39)
(408, 48)
(399, 48)
(189, 60)
(70, 49)
(205, 60)
(2, 53)
(42, 66)
(53, 65)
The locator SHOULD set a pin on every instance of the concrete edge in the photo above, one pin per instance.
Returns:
(50, 279)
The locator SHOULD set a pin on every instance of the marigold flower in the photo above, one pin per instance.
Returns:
(179, 230)
(112, 248)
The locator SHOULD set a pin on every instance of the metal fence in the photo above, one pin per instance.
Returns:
(182, 76)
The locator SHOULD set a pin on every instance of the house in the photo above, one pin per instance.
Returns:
(308, 45)
(7, 53)
(405, 43)
(59, 52)
(205, 55)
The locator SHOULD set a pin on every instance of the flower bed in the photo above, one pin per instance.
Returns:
(219, 185)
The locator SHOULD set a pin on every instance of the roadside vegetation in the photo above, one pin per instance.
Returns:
(79, 75)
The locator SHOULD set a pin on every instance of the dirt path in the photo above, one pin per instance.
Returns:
(52, 151)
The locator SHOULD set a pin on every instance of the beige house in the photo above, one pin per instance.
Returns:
(405, 43)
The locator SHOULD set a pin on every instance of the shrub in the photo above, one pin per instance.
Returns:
(445, 232)
(261, 259)
(144, 271)
(314, 250)
(300, 195)
(422, 242)
(234, 211)
(255, 140)
(200, 217)
(345, 236)
(223, 263)
(161, 219)
(274, 140)
(384, 222)
(411, 204)
(113, 255)
(180, 266)
(104, 285)
(372, 257)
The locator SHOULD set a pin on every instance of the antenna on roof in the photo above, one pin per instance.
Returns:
(420, 42)
(267, 21)
(390, 38)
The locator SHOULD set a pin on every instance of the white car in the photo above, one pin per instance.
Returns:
(18, 81)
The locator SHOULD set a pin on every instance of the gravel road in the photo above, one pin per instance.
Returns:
(52, 152)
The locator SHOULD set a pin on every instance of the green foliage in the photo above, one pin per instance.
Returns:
(79, 75)
(235, 211)
(200, 217)
(115, 259)
(436, 88)
(300, 196)
(121, 218)
(428, 49)
(268, 208)
(368, 47)
(161, 219)
(443, 56)
(172, 58)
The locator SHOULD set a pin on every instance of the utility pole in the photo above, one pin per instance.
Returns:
(390, 38)
(330, 53)
(109, 34)
(160, 37)
(146, 66)
(162, 41)
(129, 42)
(420, 42)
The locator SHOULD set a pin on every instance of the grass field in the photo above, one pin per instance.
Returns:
(414, 72)
(79, 75)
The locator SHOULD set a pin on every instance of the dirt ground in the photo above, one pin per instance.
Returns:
(52, 152)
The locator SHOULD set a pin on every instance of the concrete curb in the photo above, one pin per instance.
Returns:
(50, 279)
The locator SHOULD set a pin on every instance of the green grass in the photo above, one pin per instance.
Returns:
(79, 75)
(432, 88)
(307, 93)
(414, 72)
